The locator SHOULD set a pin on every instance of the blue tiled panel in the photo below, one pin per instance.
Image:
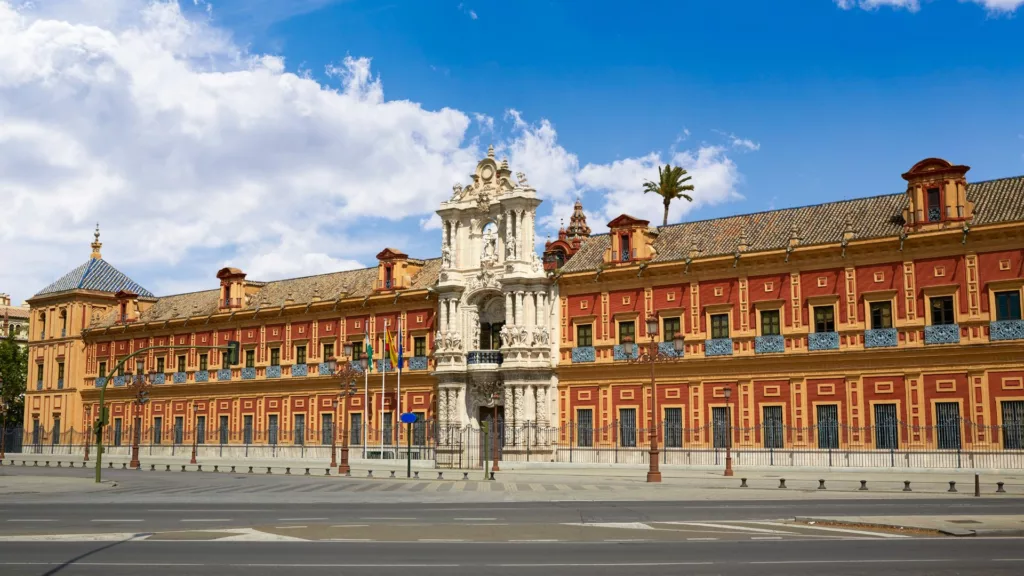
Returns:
(669, 349)
(223, 374)
(619, 353)
(248, 373)
(773, 344)
(418, 363)
(299, 370)
(119, 380)
(100, 382)
(180, 377)
(942, 334)
(718, 347)
(583, 354)
(1006, 330)
(881, 338)
(273, 371)
(158, 378)
(203, 376)
(323, 369)
(823, 341)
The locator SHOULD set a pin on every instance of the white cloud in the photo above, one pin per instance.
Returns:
(471, 13)
(995, 6)
(535, 151)
(737, 142)
(486, 122)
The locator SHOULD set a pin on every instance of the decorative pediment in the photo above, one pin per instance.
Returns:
(392, 254)
(230, 273)
(935, 167)
(627, 221)
(125, 295)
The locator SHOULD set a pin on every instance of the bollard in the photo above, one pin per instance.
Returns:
(47, 463)
(152, 467)
(392, 474)
(22, 462)
(863, 485)
(999, 488)
(906, 486)
(124, 465)
(416, 474)
(743, 483)
(369, 473)
(465, 475)
(952, 486)
(216, 468)
(232, 469)
(168, 468)
(977, 485)
(821, 485)
(440, 476)
(327, 471)
(492, 476)
(287, 471)
(182, 467)
(782, 482)
(268, 469)
(199, 468)
(58, 464)
(307, 472)
(250, 469)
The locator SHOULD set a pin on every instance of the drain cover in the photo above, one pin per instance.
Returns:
(964, 522)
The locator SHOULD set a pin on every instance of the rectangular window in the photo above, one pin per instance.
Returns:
(670, 327)
(770, 324)
(179, 430)
(117, 431)
(947, 425)
(60, 375)
(140, 366)
(103, 369)
(39, 375)
(272, 429)
(584, 335)
(201, 430)
(275, 356)
(720, 426)
(886, 427)
(627, 427)
(419, 346)
(326, 427)
(942, 311)
(250, 358)
(37, 431)
(584, 427)
(719, 326)
(158, 429)
(181, 363)
(355, 434)
(55, 437)
(1013, 424)
(419, 429)
(881, 315)
(627, 332)
(673, 427)
(247, 428)
(388, 428)
(357, 350)
(774, 434)
(1008, 305)
(828, 426)
(300, 354)
(624, 243)
(824, 319)
(300, 429)
(203, 362)
(224, 423)
(224, 364)
(934, 205)
(160, 365)
(328, 350)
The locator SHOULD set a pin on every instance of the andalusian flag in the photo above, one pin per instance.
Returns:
(369, 347)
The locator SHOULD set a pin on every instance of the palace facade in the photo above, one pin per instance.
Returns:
(896, 308)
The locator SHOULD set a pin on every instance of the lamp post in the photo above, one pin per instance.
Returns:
(728, 428)
(494, 467)
(88, 432)
(195, 432)
(139, 388)
(652, 356)
(348, 377)
(3, 424)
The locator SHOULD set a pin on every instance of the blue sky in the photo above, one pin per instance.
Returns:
(776, 104)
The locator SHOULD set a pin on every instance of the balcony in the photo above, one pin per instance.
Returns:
(158, 378)
(1006, 330)
(386, 284)
(248, 373)
(627, 255)
(823, 341)
(324, 369)
(881, 338)
(669, 349)
(942, 334)
(60, 383)
(203, 376)
(582, 354)
(619, 353)
(300, 370)
(231, 303)
(418, 363)
(771, 344)
(179, 378)
(223, 375)
(39, 384)
(273, 371)
(718, 347)
(101, 382)
(119, 380)
(484, 357)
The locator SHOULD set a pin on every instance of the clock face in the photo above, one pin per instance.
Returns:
(487, 173)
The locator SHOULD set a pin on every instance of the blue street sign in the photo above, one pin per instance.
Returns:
(408, 418)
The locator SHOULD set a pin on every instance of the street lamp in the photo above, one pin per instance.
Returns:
(3, 423)
(494, 441)
(653, 355)
(728, 427)
(88, 432)
(139, 388)
(348, 377)
(195, 432)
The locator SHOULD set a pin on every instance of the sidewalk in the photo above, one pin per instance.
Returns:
(980, 525)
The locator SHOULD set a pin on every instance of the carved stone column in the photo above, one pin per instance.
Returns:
(509, 319)
(519, 308)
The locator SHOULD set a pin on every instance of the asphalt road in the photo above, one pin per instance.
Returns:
(44, 518)
(988, 557)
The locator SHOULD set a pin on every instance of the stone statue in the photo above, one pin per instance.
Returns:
(439, 343)
(522, 335)
(457, 191)
(506, 336)
(521, 177)
(540, 336)
(510, 251)
(446, 257)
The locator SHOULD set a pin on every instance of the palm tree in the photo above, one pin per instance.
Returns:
(671, 185)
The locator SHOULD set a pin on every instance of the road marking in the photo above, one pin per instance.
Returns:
(830, 529)
(766, 537)
(623, 525)
(115, 520)
(217, 510)
(470, 519)
(630, 565)
(385, 518)
(440, 540)
(539, 540)
(862, 561)
(289, 527)
(206, 520)
(349, 525)
(30, 520)
(347, 540)
(628, 540)
(701, 539)
(726, 526)
(299, 519)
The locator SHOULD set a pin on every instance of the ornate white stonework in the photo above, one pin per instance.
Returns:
(497, 317)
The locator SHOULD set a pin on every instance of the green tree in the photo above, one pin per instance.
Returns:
(671, 185)
(13, 371)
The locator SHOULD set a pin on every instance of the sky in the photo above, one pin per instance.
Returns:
(289, 138)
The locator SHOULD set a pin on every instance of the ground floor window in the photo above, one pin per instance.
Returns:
(627, 427)
(886, 427)
(584, 427)
(774, 434)
(1013, 424)
(673, 427)
(828, 426)
(947, 425)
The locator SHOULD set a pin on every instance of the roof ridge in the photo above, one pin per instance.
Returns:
(831, 202)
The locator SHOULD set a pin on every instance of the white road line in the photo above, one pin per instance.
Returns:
(727, 527)
(630, 565)
(340, 565)
(206, 520)
(830, 529)
(349, 525)
(30, 520)
(471, 519)
(299, 519)
(115, 520)
(384, 518)
(347, 540)
(766, 537)
(862, 561)
(701, 539)
(197, 510)
(627, 540)
(539, 540)
(440, 540)
(288, 527)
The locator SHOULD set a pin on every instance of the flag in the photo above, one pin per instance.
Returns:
(400, 347)
(369, 347)
(389, 348)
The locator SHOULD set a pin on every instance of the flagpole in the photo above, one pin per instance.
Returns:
(383, 375)
(366, 404)
(399, 344)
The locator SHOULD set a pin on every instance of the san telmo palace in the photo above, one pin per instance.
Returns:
(874, 330)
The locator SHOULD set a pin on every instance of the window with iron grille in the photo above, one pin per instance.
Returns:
(388, 429)
(886, 427)
(300, 354)
(39, 374)
(357, 350)
(247, 429)
(627, 332)
(774, 433)
(1013, 424)
(419, 346)
(224, 363)
(326, 427)
(673, 427)
(934, 205)
(824, 319)
(181, 363)
(947, 425)
(770, 323)
(60, 375)
(584, 335)
(584, 427)
(37, 431)
(158, 430)
(942, 311)
(419, 429)
(179, 430)
(224, 427)
(275, 356)
(828, 426)
(300, 429)
(250, 358)
(719, 326)
(881, 315)
(1008, 305)
(328, 350)
(203, 362)
(200, 430)
(272, 429)
(55, 437)
(720, 426)
(117, 431)
(670, 327)
(627, 427)
(355, 429)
